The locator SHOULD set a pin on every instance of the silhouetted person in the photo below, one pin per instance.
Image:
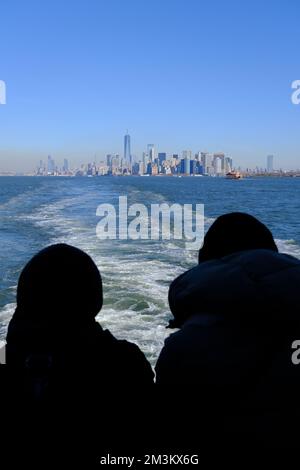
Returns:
(230, 362)
(64, 368)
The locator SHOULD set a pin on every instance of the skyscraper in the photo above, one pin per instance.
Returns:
(108, 160)
(127, 153)
(228, 164)
(145, 159)
(50, 165)
(221, 157)
(151, 152)
(217, 165)
(66, 165)
(206, 161)
(162, 156)
(186, 156)
(270, 160)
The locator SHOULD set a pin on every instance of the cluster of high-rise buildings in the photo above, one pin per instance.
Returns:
(50, 169)
(152, 162)
(160, 163)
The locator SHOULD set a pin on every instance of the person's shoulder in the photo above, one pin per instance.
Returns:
(132, 357)
(268, 258)
(132, 350)
(121, 344)
(3, 373)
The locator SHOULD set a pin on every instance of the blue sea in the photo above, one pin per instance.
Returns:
(38, 211)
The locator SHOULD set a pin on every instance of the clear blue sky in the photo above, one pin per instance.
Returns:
(183, 74)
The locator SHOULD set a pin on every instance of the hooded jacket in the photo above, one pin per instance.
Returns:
(53, 337)
(64, 374)
(238, 317)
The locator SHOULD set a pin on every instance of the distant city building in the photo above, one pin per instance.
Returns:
(199, 168)
(65, 166)
(187, 156)
(228, 164)
(218, 166)
(109, 160)
(149, 168)
(154, 169)
(142, 168)
(206, 162)
(270, 162)
(115, 164)
(221, 157)
(40, 168)
(151, 152)
(145, 159)
(135, 169)
(162, 156)
(193, 167)
(50, 166)
(127, 152)
(89, 171)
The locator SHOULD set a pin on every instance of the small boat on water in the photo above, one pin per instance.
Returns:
(233, 175)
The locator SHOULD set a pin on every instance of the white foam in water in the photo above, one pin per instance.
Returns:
(289, 247)
(5, 315)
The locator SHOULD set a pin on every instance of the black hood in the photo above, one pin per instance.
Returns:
(59, 294)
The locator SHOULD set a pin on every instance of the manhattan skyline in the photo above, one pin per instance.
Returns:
(153, 162)
(203, 77)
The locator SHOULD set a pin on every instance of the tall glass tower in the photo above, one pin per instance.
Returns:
(270, 160)
(127, 153)
(151, 152)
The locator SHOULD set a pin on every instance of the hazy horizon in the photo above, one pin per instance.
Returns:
(184, 75)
